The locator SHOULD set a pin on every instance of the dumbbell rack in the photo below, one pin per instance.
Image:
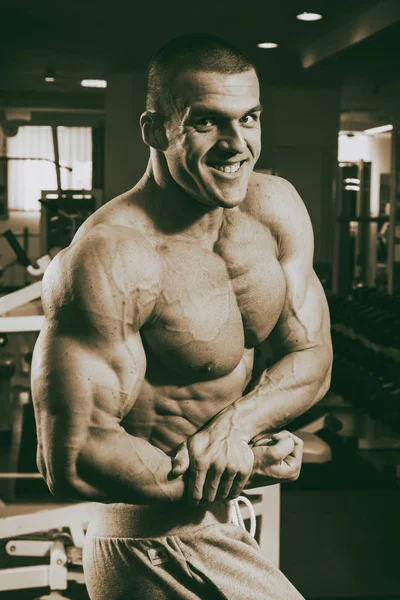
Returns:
(366, 374)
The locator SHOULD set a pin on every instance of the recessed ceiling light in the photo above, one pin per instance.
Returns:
(49, 75)
(306, 16)
(94, 83)
(267, 45)
(352, 180)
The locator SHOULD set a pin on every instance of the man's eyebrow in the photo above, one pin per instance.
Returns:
(200, 110)
(257, 108)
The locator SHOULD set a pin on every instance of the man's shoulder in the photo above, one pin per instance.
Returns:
(123, 211)
(271, 197)
(275, 202)
(110, 246)
(109, 263)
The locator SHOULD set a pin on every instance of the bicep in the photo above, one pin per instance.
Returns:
(89, 361)
(304, 320)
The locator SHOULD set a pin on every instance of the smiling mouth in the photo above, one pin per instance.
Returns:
(228, 169)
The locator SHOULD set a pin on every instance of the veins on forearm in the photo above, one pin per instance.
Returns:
(284, 391)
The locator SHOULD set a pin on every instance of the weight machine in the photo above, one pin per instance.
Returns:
(357, 231)
(62, 214)
(54, 536)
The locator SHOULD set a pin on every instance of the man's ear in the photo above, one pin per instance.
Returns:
(153, 130)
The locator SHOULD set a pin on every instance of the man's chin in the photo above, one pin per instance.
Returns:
(231, 202)
(221, 201)
(224, 198)
(230, 199)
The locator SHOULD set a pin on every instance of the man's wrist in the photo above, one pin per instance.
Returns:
(243, 414)
(228, 424)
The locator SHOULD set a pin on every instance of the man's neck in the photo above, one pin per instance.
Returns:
(177, 213)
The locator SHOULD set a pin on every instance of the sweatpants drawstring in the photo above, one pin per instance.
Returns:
(235, 514)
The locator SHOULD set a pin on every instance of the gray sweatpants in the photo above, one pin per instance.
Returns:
(168, 552)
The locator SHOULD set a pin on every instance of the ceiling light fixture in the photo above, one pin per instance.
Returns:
(49, 75)
(267, 45)
(380, 129)
(94, 83)
(306, 16)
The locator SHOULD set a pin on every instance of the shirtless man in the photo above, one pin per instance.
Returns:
(143, 383)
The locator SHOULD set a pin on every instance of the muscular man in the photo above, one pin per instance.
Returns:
(146, 395)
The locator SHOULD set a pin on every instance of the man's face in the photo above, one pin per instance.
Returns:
(214, 140)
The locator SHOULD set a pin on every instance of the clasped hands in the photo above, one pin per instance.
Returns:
(218, 461)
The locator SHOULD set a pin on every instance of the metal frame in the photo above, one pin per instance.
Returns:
(54, 575)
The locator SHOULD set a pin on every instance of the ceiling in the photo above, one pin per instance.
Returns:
(91, 39)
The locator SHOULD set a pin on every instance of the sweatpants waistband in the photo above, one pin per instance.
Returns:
(128, 520)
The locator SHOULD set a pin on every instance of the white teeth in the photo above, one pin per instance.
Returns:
(228, 168)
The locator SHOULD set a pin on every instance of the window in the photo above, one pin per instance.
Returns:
(33, 168)
(75, 148)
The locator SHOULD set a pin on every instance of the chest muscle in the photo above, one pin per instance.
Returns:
(249, 253)
(214, 303)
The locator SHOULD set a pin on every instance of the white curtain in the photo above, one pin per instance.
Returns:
(27, 178)
(75, 148)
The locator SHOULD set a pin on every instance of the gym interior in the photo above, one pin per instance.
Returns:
(72, 89)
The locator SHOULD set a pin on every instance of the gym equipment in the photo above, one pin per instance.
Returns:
(55, 536)
(358, 240)
(14, 397)
(361, 376)
(62, 213)
(14, 300)
(316, 450)
(26, 235)
(22, 257)
(370, 313)
(366, 342)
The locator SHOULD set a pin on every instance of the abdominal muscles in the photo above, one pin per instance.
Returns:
(166, 415)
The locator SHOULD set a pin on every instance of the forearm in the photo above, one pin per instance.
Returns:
(117, 467)
(286, 390)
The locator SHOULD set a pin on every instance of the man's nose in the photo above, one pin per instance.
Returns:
(232, 140)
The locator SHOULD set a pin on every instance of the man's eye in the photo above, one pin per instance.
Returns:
(248, 119)
(203, 124)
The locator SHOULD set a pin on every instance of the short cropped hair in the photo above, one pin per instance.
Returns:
(194, 51)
